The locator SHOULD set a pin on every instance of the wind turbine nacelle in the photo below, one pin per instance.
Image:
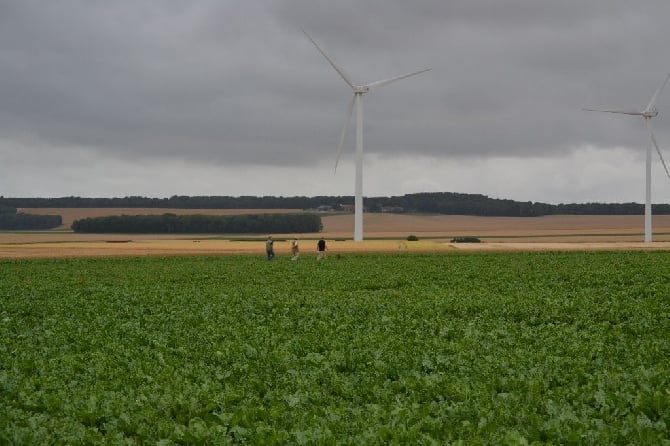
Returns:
(650, 113)
(361, 90)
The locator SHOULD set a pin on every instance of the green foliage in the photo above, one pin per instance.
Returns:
(12, 221)
(537, 348)
(465, 240)
(200, 224)
(7, 209)
(181, 202)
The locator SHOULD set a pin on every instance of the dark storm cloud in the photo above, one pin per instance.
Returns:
(237, 82)
(147, 81)
(509, 77)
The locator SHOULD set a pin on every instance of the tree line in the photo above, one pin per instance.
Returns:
(476, 204)
(200, 224)
(11, 220)
(449, 203)
(179, 202)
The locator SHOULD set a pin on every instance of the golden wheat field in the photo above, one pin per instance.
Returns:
(383, 232)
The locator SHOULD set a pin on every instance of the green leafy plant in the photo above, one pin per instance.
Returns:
(533, 348)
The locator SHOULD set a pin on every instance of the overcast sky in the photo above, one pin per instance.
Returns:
(210, 97)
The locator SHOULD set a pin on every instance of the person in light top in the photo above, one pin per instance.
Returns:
(269, 247)
(295, 250)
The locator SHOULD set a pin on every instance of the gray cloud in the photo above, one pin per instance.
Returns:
(237, 83)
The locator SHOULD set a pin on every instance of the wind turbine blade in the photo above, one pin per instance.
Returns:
(397, 78)
(652, 103)
(347, 118)
(339, 70)
(620, 112)
(653, 140)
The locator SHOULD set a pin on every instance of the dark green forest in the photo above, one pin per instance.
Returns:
(449, 203)
(12, 220)
(200, 224)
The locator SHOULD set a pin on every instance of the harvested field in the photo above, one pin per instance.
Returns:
(166, 247)
(395, 225)
(384, 233)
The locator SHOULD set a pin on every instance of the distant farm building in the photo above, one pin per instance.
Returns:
(324, 208)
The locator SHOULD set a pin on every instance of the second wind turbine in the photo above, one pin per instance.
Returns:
(648, 113)
(357, 98)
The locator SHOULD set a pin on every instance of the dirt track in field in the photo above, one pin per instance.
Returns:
(564, 232)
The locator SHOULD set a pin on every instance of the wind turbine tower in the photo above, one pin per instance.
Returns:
(648, 113)
(357, 99)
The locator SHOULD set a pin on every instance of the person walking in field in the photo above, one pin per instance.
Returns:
(269, 247)
(321, 249)
(295, 250)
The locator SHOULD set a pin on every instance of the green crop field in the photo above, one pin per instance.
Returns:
(541, 348)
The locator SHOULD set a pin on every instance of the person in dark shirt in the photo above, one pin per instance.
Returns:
(321, 249)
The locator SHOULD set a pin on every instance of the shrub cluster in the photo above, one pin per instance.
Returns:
(465, 240)
(201, 224)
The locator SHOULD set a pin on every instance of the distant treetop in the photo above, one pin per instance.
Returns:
(449, 203)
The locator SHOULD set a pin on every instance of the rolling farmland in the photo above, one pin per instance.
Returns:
(384, 233)
(400, 225)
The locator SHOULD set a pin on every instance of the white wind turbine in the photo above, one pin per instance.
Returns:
(359, 91)
(648, 113)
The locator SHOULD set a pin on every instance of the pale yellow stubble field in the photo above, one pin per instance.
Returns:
(565, 232)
